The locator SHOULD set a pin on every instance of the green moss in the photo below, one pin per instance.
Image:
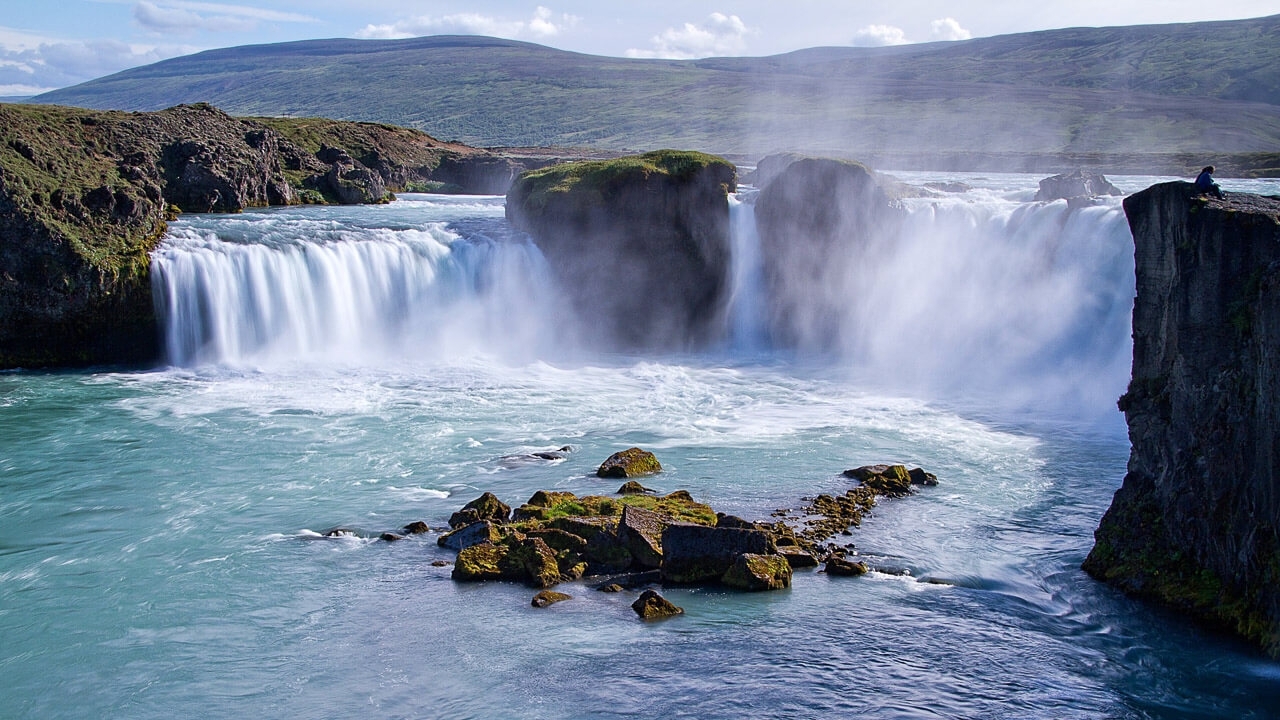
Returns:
(538, 187)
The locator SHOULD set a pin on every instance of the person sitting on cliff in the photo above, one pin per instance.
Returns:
(1205, 184)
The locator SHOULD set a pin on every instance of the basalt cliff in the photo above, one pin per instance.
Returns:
(1196, 523)
(85, 196)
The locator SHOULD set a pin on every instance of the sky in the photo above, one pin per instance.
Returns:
(47, 44)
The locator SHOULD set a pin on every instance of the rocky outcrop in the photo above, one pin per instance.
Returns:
(699, 554)
(819, 222)
(1076, 184)
(85, 195)
(640, 244)
(1196, 523)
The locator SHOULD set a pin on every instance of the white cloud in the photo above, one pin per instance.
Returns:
(948, 29)
(879, 36)
(543, 24)
(719, 34)
(182, 16)
(31, 64)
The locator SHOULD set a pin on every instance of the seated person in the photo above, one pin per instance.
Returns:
(1205, 184)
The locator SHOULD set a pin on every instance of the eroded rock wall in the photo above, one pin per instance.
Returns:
(1196, 524)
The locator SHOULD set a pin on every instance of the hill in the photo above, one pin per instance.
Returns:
(1195, 88)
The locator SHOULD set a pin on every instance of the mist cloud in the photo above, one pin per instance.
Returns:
(543, 24)
(719, 34)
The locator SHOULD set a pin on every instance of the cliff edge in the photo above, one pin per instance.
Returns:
(1196, 523)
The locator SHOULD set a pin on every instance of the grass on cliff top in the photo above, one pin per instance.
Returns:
(596, 175)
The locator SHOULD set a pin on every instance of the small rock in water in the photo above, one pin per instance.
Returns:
(416, 527)
(440, 563)
(650, 605)
(632, 462)
(631, 487)
(390, 537)
(610, 588)
(549, 597)
(847, 568)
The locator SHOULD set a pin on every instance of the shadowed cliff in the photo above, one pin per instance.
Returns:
(1196, 524)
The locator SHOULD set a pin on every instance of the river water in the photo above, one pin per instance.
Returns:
(162, 548)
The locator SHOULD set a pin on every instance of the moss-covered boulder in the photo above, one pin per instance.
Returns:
(641, 243)
(843, 567)
(549, 597)
(530, 561)
(699, 554)
(485, 507)
(888, 480)
(465, 536)
(652, 606)
(640, 532)
(758, 572)
(632, 462)
(480, 562)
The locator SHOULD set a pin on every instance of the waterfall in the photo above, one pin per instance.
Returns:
(359, 295)
(747, 308)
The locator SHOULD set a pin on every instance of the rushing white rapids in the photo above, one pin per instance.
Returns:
(983, 294)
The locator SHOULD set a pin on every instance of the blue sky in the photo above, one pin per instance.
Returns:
(46, 44)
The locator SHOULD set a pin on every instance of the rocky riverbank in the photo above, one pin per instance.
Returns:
(85, 196)
(1196, 524)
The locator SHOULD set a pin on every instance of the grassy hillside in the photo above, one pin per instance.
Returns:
(1196, 88)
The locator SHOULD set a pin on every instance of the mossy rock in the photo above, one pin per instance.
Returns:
(629, 463)
(549, 597)
(652, 606)
(758, 572)
(480, 562)
(485, 507)
(839, 566)
(531, 561)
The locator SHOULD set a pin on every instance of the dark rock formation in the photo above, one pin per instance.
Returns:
(1075, 184)
(1196, 524)
(85, 195)
(640, 532)
(641, 243)
(481, 531)
(631, 487)
(417, 527)
(819, 220)
(485, 507)
(650, 606)
(891, 480)
(840, 566)
(698, 554)
(632, 462)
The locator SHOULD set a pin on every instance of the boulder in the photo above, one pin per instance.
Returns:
(640, 532)
(733, 521)
(758, 572)
(632, 462)
(797, 558)
(888, 480)
(464, 537)
(920, 477)
(640, 244)
(1075, 184)
(530, 561)
(485, 507)
(698, 554)
(549, 597)
(651, 606)
(480, 562)
(390, 537)
(840, 566)
(631, 487)
(417, 527)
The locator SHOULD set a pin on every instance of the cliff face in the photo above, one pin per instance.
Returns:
(1196, 524)
(640, 243)
(819, 219)
(84, 197)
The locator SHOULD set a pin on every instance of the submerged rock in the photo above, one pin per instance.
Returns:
(1075, 184)
(651, 606)
(632, 462)
(416, 527)
(631, 487)
(840, 566)
(549, 597)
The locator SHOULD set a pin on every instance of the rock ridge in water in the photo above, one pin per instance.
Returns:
(1196, 523)
(85, 196)
(639, 243)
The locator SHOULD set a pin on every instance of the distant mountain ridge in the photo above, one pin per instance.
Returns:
(1181, 88)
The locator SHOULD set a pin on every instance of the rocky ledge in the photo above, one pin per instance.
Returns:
(85, 196)
(1196, 523)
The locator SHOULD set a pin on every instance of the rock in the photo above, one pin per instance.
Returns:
(549, 597)
(606, 554)
(732, 521)
(949, 187)
(651, 606)
(797, 558)
(559, 540)
(920, 477)
(698, 554)
(440, 563)
(889, 480)
(416, 527)
(464, 537)
(758, 572)
(632, 462)
(390, 537)
(1196, 523)
(540, 505)
(818, 219)
(631, 487)
(640, 243)
(640, 531)
(480, 562)
(1075, 184)
(485, 507)
(611, 588)
(837, 565)
(530, 561)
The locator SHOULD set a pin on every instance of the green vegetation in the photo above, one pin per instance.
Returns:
(1161, 89)
(596, 177)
